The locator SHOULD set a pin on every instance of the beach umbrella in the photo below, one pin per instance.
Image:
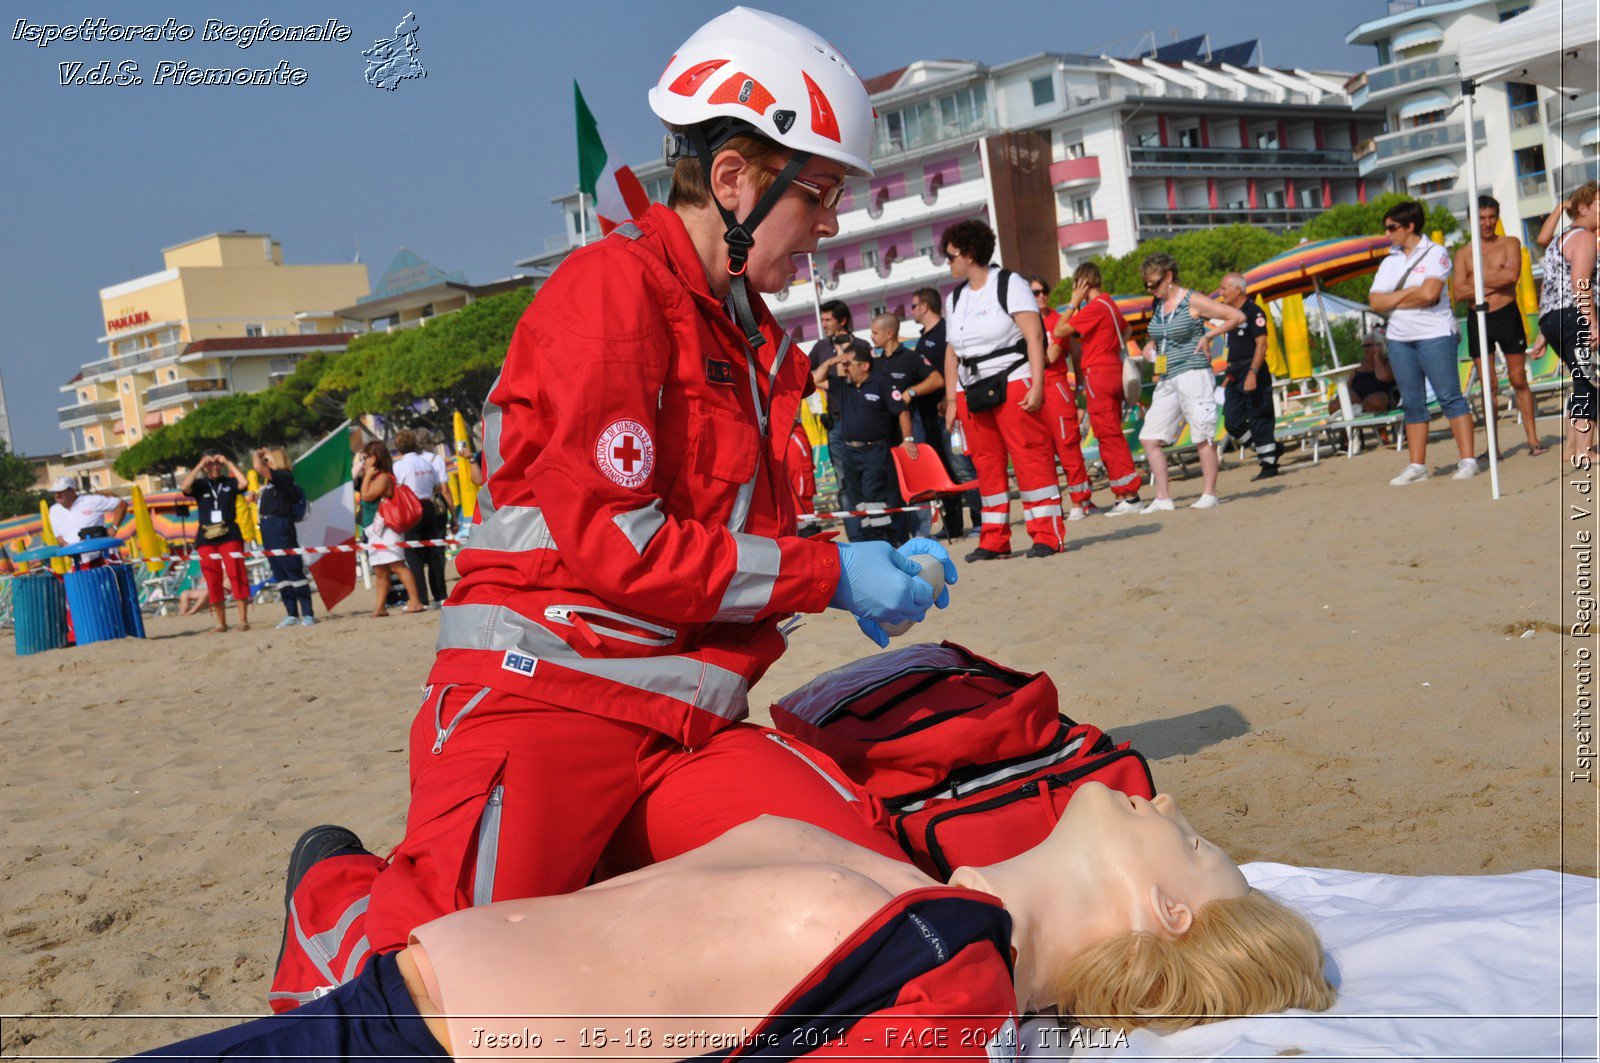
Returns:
(1296, 337)
(144, 531)
(468, 497)
(1299, 270)
(58, 565)
(1527, 292)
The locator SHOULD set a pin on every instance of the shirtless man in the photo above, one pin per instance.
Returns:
(1502, 266)
(780, 936)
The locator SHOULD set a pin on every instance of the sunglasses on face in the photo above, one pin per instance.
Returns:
(826, 196)
(1391, 227)
(1151, 286)
(1040, 292)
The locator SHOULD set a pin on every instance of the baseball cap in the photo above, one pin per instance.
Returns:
(62, 483)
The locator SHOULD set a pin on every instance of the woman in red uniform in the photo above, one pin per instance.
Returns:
(636, 553)
(1096, 321)
(1061, 407)
(995, 352)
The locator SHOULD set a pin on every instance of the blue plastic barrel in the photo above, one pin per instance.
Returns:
(94, 595)
(132, 618)
(39, 606)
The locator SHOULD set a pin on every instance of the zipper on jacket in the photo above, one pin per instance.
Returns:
(583, 618)
(488, 848)
(843, 791)
(442, 733)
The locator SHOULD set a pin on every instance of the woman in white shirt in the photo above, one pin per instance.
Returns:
(1410, 290)
(995, 353)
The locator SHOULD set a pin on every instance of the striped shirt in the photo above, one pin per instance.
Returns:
(1177, 336)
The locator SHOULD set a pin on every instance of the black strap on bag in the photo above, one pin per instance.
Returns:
(989, 392)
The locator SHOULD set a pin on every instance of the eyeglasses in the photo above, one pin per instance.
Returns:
(826, 196)
(1039, 292)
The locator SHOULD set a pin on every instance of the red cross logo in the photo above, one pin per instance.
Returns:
(625, 454)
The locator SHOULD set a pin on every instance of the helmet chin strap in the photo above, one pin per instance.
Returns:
(740, 236)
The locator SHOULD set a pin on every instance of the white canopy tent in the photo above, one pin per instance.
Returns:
(1553, 44)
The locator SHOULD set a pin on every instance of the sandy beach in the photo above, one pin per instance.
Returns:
(1325, 671)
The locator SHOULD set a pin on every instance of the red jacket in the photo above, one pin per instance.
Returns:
(802, 469)
(634, 550)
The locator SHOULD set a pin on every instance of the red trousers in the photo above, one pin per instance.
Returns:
(514, 798)
(214, 561)
(1007, 433)
(1103, 383)
(1061, 418)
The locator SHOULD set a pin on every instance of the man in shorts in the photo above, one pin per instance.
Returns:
(1502, 268)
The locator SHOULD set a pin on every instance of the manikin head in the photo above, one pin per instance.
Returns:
(1133, 919)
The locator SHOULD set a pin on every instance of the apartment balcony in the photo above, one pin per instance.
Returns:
(1385, 81)
(908, 211)
(87, 413)
(913, 271)
(180, 391)
(1074, 173)
(1193, 162)
(143, 358)
(1454, 201)
(1559, 109)
(1163, 222)
(1079, 235)
(1574, 174)
(1532, 184)
(89, 457)
(1391, 149)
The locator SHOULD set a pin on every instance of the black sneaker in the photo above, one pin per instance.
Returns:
(1267, 472)
(1040, 550)
(985, 554)
(314, 846)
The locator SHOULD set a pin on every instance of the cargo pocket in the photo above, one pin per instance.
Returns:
(452, 845)
(725, 447)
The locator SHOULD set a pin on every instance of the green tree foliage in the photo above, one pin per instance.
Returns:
(17, 493)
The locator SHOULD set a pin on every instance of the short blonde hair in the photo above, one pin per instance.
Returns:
(277, 458)
(1241, 956)
(690, 187)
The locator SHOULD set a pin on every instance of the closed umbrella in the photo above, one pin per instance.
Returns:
(468, 496)
(1296, 337)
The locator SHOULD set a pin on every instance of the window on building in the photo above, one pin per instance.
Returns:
(657, 188)
(1310, 197)
(1523, 100)
(1531, 178)
(1267, 139)
(253, 330)
(869, 258)
(1082, 208)
(124, 387)
(1238, 204)
(1512, 11)
(1383, 53)
(880, 308)
(1273, 200)
(278, 366)
(172, 375)
(1072, 144)
(1149, 138)
(1044, 90)
(1433, 188)
(1189, 138)
(95, 479)
(1591, 149)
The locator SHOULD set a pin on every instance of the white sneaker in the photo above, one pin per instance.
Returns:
(1160, 505)
(1123, 508)
(307, 621)
(1204, 502)
(1076, 513)
(1410, 475)
(1466, 469)
(289, 621)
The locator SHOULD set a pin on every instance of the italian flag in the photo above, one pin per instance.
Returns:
(323, 473)
(616, 193)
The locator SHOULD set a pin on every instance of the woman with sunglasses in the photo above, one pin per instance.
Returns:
(1187, 389)
(1410, 289)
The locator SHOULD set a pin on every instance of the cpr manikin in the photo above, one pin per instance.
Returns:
(703, 946)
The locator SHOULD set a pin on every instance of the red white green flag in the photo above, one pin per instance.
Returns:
(323, 473)
(615, 192)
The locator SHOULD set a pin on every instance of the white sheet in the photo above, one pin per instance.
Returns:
(1457, 968)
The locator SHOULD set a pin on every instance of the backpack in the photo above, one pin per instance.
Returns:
(1005, 282)
(972, 760)
(299, 505)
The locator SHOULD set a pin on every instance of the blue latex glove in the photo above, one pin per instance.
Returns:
(934, 550)
(879, 585)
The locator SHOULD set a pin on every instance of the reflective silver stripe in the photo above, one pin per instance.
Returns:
(1038, 512)
(1039, 494)
(513, 529)
(301, 998)
(844, 791)
(875, 522)
(741, 504)
(641, 525)
(488, 848)
(756, 572)
(357, 954)
(628, 231)
(995, 500)
(496, 628)
(491, 436)
(322, 948)
(1077, 487)
(997, 518)
(1125, 480)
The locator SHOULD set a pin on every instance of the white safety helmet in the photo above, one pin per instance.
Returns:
(781, 79)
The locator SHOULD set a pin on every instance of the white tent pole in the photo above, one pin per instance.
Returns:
(1327, 332)
(816, 291)
(1479, 307)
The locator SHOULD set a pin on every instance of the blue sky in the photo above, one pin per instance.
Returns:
(460, 166)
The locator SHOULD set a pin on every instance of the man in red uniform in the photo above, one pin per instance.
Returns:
(1061, 407)
(636, 549)
(1097, 364)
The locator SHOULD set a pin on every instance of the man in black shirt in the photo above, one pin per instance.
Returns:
(217, 487)
(1247, 402)
(928, 408)
(912, 377)
(837, 340)
(870, 420)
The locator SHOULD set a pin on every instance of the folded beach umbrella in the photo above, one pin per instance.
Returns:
(465, 491)
(144, 531)
(1296, 337)
(1277, 365)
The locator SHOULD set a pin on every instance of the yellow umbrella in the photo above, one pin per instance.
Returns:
(1276, 365)
(144, 531)
(464, 491)
(1296, 337)
(58, 565)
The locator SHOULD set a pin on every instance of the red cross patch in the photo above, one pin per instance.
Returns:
(625, 453)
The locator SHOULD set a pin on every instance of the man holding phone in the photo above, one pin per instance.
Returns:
(216, 484)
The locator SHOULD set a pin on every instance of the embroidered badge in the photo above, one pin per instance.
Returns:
(719, 372)
(625, 453)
